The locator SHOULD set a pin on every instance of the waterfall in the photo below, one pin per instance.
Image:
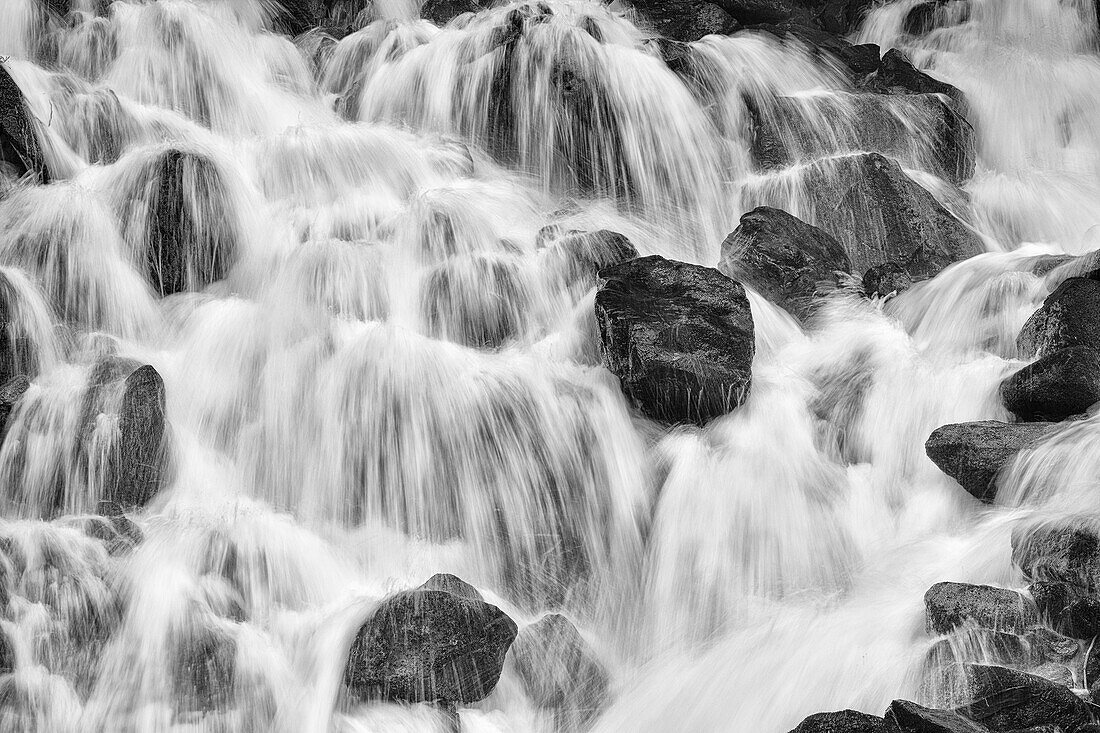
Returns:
(291, 324)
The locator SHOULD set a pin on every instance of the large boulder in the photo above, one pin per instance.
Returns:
(429, 646)
(560, 671)
(20, 148)
(1058, 385)
(907, 717)
(879, 214)
(974, 453)
(949, 605)
(1005, 699)
(783, 258)
(842, 721)
(1070, 316)
(678, 336)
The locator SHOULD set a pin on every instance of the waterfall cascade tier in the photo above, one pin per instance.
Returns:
(549, 365)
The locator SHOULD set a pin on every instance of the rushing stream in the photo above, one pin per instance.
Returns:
(393, 370)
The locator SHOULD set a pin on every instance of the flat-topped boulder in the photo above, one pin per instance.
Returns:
(974, 453)
(679, 337)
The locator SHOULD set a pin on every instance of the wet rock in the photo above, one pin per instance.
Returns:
(953, 604)
(888, 279)
(1064, 550)
(1057, 673)
(842, 721)
(974, 453)
(897, 75)
(908, 717)
(1067, 608)
(10, 395)
(560, 671)
(1005, 699)
(204, 669)
(576, 257)
(442, 12)
(140, 471)
(928, 16)
(19, 347)
(970, 643)
(117, 531)
(1070, 316)
(1058, 385)
(480, 300)
(452, 584)
(685, 20)
(1051, 646)
(678, 336)
(429, 645)
(882, 216)
(20, 147)
(783, 258)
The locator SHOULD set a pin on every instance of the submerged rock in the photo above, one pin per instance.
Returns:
(479, 300)
(783, 258)
(1005, 699)
(1068, 608)
(560, 671)
(842, 721)
(678, 336)
(575, 258)
(428, 646)
(932, 14)
(974, 453)
(141, 450)
(1070, 316)
(204, 669)
(907, 717)
(1065, 550)
(20, 148)
(1058, 385)
(954, 604)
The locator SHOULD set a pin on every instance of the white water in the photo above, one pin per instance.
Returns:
(398, 374)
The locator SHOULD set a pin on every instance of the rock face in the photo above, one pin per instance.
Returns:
(949, 605)
(1070, 316)
(842, 721)
(974, 453)
(908, 717)
(783, 258)
(428, 646)
(881, 215)
(678, 336)
(1005, 699)
(1058, 385)
(20, 148)
(560, 671)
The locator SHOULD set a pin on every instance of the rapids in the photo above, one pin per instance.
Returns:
(380, 363)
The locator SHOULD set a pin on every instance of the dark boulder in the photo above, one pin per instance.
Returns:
(140, 470)
(442, 12)
(20, 147)
(20, 347)
(1070, 316)
(1064, 550)
(1050, 646)
(678, 336)
(897, 75)
(783, 258)
(974, 453)
(560, 671)
(1005, 699)
(1067, 608)
(336, 17)
(452, 584)
(1058, 385)
(842, 721)
(429, 646)
(886, 279)
(954, 604)
(881, 215)
(908, 717)
(685, 20)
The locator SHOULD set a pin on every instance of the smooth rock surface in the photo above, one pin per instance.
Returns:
(953, 604)
(974, 453)
(1058, 385)
(1070, 316)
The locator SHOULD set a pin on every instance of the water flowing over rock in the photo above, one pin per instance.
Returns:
(560, 671)
(1005, 699)
(783, 258)
(427, 646)
(1068, 609)
(679, 337)
(1059, 550)
(953, 604)
(974, 453)
(1058, 385)
(20, 149)
(10, 393)
(908, 717)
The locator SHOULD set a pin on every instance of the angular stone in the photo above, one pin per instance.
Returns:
(678, 336)
(1006, 699)
(954, 604)
(1058, 385)
(908, 717)
(1070, 316)
(974, 453)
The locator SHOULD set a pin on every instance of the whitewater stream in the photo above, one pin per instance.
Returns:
(395, 372)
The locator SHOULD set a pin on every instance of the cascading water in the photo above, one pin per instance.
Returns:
(353, 278)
